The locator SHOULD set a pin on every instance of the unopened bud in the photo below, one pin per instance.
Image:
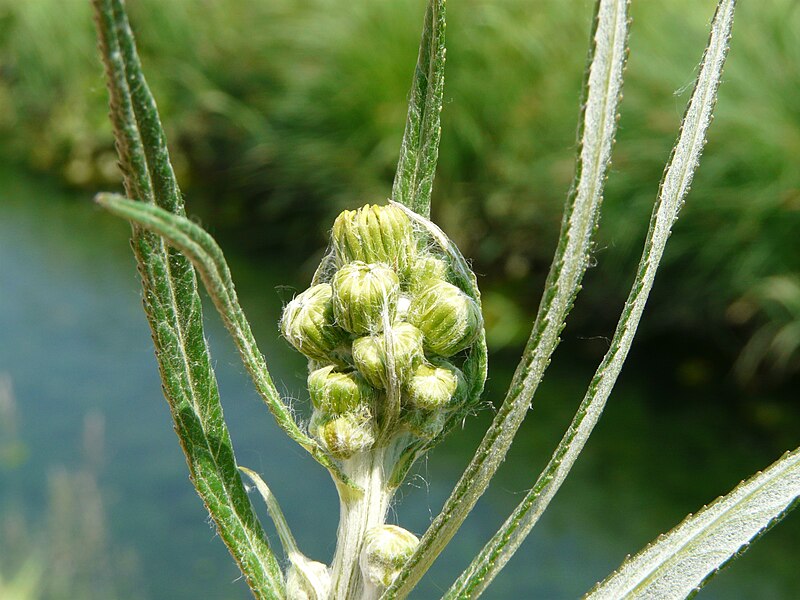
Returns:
(431, 387)
(425, 425)
(308, 323)
(386, 548)
(425, 268)
(374, 234)
(310, 580)
(448, 318)
(344, 435)
(403, 302)
(361, 294)
(371, 353)
(336, 393)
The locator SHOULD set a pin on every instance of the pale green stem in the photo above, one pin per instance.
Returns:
(392, 407)
(360, 512)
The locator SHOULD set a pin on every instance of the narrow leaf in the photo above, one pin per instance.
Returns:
(678, 563)
(675, 184)
(419, 152)
(275, 512)
(307, 569)
(201, 249)
(174, 312)
(602, 92)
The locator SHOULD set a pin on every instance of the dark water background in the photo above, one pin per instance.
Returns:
(74, 342)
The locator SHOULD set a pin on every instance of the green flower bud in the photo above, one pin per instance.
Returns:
(309, 580)
(425, 268)
(374, 234)
(361, 293)
(386, 548)
(368, 357)
(432, 386)
(448, 318)
(336, 393)
(344, 435)
(308, 323)
(425, 425)
(403, 302)
(370, 354)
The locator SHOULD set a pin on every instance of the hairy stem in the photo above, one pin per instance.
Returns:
(360, 512)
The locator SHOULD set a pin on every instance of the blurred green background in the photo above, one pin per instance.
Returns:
(281, 113)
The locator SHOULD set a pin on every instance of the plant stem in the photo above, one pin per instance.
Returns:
(360, 511)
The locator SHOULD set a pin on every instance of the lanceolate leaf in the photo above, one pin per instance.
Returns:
(602, 90)
(678, 563)
(200, 248)
(419, 152)
(675, 184)
(275, 512)
(173, 309)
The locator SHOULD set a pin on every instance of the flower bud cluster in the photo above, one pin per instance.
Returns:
(388, 319)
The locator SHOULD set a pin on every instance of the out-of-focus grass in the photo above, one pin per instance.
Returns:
(774, 348)
(203, 58)
(742, 218)
(281, 113)
(65, 552)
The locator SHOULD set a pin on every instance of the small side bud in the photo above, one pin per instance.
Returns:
(386, 548)
(334, 392)
(344, 435)
(308, 323)
(361, 294)
(370, 354)
(448, 318)
(374, 234)
(431, 387)
(309, 580)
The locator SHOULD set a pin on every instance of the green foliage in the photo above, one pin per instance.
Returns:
(739, 228)
(368, 471)
(260, 123)
(774, 349)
